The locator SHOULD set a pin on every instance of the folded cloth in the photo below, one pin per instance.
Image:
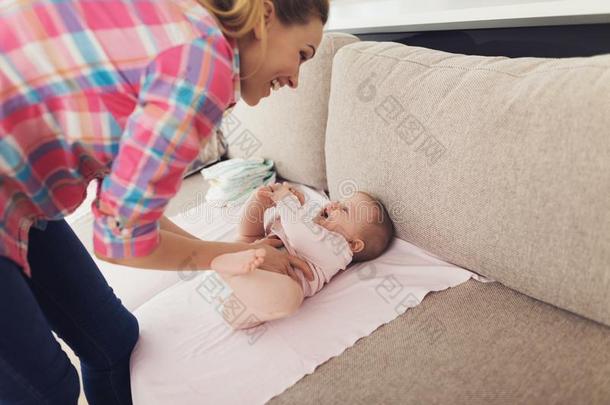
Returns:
(187, 354)
(232, 181)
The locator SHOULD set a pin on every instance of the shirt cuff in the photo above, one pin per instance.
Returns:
(288, 207)
(113, 240)
(290, 201)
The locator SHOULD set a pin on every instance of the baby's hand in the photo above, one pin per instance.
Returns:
(263, 196)
(276, 192)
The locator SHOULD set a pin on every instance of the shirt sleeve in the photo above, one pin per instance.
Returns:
(328, 250)
(183, 94)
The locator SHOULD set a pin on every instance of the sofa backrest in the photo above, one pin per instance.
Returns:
(289, 126)
(498, 165)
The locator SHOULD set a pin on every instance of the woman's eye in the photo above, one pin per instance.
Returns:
(303, 57)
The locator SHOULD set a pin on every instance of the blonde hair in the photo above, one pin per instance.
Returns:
(239, 17)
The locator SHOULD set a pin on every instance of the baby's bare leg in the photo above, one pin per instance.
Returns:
(261, 294)
(264, 296)
(251, 224)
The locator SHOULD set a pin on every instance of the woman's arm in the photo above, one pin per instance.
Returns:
(166, 224)
(180, 253)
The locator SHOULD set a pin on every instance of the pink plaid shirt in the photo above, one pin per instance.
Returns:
(127, 91)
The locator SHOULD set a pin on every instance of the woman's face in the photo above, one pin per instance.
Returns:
(287, 48)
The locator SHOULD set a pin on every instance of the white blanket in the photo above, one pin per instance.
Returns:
(188, 355)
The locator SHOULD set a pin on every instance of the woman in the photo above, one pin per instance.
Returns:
(126, 92)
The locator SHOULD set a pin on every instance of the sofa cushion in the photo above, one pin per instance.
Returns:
(498, 165)
(472, 344)
(290, 117)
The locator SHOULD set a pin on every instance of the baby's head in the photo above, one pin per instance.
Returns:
(363, 221)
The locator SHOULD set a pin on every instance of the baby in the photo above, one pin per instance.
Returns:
(328, 238)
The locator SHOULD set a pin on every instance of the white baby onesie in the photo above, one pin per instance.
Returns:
(325, 251)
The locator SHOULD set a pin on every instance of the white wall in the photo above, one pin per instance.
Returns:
(367, 16)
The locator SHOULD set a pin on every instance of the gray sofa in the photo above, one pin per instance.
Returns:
(501, 166)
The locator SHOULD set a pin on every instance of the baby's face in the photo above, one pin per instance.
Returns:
(346, 217)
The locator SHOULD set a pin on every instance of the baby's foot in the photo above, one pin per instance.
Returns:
(239, 262)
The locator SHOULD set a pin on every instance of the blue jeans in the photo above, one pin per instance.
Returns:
(67, 294)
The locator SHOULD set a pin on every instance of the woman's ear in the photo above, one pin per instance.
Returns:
(356, 245)
(269, 14)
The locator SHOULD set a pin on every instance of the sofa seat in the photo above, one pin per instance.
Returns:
(472, 344)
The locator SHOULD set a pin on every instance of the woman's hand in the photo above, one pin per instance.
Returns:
(282, 262)
(271, 240)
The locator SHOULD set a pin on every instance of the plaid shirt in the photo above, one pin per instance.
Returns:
(124, 90)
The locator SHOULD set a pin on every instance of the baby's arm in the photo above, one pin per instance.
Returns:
(296, 229)
(251, 226)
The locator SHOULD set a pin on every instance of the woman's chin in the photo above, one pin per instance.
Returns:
(252, 99)
(249, 100)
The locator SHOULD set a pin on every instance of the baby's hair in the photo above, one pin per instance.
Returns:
(377, 233)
